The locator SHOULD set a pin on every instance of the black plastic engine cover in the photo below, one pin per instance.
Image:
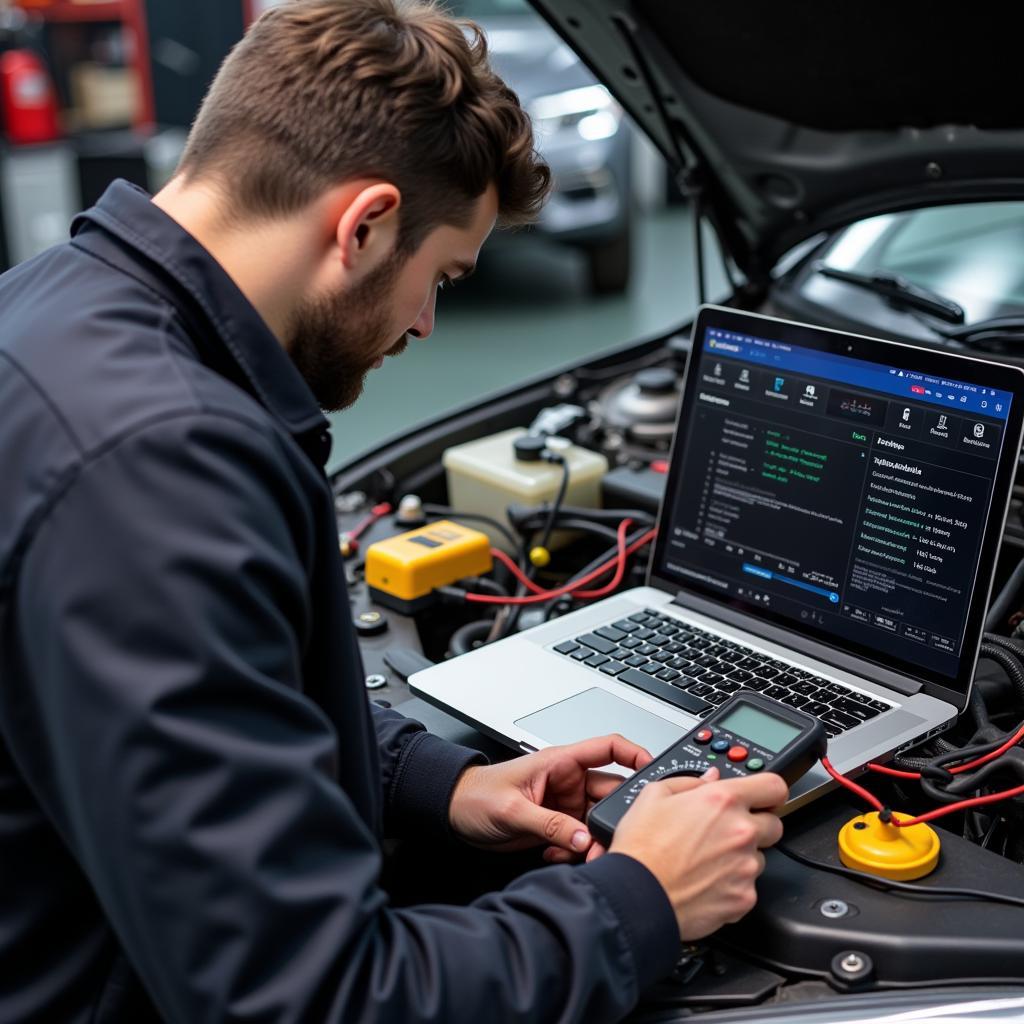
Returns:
(910, 939)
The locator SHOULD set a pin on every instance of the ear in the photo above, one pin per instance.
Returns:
(368, 227)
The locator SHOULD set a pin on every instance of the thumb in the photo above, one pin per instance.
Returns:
(684, 783)
(555, 828)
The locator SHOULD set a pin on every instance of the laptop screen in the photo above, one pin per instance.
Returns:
(843, 496)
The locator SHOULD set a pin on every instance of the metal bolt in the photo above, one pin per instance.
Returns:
(376, 681)
(933, 170)
(852, 963)
(834, 908)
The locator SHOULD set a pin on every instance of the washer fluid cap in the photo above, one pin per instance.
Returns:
(529, 448)
(866, 843)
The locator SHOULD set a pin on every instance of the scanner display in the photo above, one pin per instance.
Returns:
(842, 496)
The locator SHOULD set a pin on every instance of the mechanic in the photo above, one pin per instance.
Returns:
(194, 789)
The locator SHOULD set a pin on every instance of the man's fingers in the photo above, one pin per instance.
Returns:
(602, 784)
(554, 855)
(602, 750)
(684, 783)
(561, 830)
(769, 830)
(761, 792)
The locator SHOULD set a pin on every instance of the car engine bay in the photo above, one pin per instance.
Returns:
(819, 930)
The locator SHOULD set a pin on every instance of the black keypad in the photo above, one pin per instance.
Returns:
(595, 642)
(697, 671)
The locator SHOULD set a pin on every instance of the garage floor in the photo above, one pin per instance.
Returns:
(526, 310)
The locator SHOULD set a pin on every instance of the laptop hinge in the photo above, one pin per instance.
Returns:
(802, 645)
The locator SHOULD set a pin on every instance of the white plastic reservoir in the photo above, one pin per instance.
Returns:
(485, 477)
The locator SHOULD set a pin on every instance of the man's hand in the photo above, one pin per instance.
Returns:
(702, 839)
(541, 798)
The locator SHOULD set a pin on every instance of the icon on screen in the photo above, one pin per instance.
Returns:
(718, 369)
(809, 391)
(942, 422)
(984, 404)
(906, 415)
(999, 407)
(779, 381)
(963, 398)
(744, 376)
(979, 429)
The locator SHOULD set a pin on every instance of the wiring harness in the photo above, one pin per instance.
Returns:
(958, 775)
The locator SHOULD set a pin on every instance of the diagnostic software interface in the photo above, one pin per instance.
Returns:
(836, 494)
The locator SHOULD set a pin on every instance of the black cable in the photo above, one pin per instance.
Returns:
(578, 525)
(609, 516)
(556, 505)
(590, 567)
(938, 892)
(464, 637)
(1005, 654)
(446, 512)
(483, 584)
(1001, 605)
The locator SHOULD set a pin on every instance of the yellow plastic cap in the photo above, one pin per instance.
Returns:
(866, 843)
(539, 556)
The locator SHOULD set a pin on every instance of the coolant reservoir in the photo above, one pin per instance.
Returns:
(485, 477)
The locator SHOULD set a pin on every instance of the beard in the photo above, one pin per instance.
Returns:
(335, 340)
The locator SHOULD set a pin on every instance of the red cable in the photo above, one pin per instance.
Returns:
(939, 812)
(517, 572)
(984, 759)
(363, 525)
(851, 785)
(573, 588)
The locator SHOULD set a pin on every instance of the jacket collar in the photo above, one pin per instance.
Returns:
(126, 212)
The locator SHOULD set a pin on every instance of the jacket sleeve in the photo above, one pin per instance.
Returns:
(418, 774)
(160, 612)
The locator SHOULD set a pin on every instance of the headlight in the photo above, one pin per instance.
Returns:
(590, 111)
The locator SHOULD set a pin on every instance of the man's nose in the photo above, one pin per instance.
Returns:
(424, 325)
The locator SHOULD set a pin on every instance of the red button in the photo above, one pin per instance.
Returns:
(737, 753)
(659, 466)
(704, 736)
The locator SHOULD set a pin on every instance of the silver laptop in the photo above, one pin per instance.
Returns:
(832, 515)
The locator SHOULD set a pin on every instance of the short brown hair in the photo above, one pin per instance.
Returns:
(323, 91)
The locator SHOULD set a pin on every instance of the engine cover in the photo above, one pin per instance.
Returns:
(795, 928)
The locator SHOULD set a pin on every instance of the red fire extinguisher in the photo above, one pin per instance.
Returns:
(27, 98)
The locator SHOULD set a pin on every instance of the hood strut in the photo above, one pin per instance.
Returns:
(684, 166)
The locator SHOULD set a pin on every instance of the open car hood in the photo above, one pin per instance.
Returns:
(787, 119)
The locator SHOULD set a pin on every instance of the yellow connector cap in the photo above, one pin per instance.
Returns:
(866, 843)
(539, 557)
(413, 564)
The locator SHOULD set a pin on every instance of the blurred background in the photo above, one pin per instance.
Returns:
(92, 90)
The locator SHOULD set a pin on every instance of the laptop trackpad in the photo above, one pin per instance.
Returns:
(597, 712)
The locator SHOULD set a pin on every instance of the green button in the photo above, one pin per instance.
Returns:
(755, 764)
(712, 757)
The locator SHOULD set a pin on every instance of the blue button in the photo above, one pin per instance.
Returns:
(720, 746)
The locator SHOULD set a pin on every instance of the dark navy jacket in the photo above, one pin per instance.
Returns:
(193, 786)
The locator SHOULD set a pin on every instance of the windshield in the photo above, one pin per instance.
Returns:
(973, 254)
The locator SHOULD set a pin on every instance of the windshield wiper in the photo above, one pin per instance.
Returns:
(999, 329)
(900, 292)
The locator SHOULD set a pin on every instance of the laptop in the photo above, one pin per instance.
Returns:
(828, 536)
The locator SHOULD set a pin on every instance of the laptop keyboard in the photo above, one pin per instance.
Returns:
(696, 670)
